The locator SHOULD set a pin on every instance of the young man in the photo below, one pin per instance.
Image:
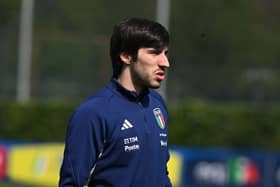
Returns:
(118, 137)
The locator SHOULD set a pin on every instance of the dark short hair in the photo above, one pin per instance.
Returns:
(132, 34)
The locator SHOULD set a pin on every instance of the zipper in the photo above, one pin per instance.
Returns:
(143, 111)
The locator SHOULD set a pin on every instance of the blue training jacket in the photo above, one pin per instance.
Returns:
(117, 139)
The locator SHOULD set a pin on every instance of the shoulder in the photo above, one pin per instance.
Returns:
(90, 115)
(94, 107)
(97, 103)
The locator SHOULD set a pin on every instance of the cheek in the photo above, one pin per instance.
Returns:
(144, 71)
(144, 67)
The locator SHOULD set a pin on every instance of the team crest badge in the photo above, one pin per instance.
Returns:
(159, 117)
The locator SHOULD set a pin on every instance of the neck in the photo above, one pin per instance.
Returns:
(125, 79)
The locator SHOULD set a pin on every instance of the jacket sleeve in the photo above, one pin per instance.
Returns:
(84, 142)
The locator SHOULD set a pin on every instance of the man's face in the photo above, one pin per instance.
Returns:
(150, 67)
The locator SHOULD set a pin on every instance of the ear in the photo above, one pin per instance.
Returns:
(126, 58)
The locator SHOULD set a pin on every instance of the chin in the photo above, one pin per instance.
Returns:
(155, 85)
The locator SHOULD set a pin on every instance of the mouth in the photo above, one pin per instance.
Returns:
(160, 75)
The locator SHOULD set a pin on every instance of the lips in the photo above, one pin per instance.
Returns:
(160, 75)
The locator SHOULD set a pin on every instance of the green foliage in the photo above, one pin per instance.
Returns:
(198, 123)
(93, 16)
(34, 121)
(225, 32)
(191, 123)
(9, 9)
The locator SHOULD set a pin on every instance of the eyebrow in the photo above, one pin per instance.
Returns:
(157, 51)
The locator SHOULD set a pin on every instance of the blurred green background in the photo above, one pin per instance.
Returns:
(223, 85)
(220, 50)
(8, 185)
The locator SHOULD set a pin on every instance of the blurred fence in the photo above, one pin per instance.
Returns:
(215, 53)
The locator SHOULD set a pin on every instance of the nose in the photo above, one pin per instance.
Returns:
(163, 61)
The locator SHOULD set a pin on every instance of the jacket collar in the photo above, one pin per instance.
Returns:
(131, 95)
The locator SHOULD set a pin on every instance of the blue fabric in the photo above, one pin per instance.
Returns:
(115, 134)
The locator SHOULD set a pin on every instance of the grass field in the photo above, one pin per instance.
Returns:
(4, 184)
(8, 185)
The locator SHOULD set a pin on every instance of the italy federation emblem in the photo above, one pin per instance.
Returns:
(159, 117)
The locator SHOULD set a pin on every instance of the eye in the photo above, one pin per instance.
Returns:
(154, 51)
